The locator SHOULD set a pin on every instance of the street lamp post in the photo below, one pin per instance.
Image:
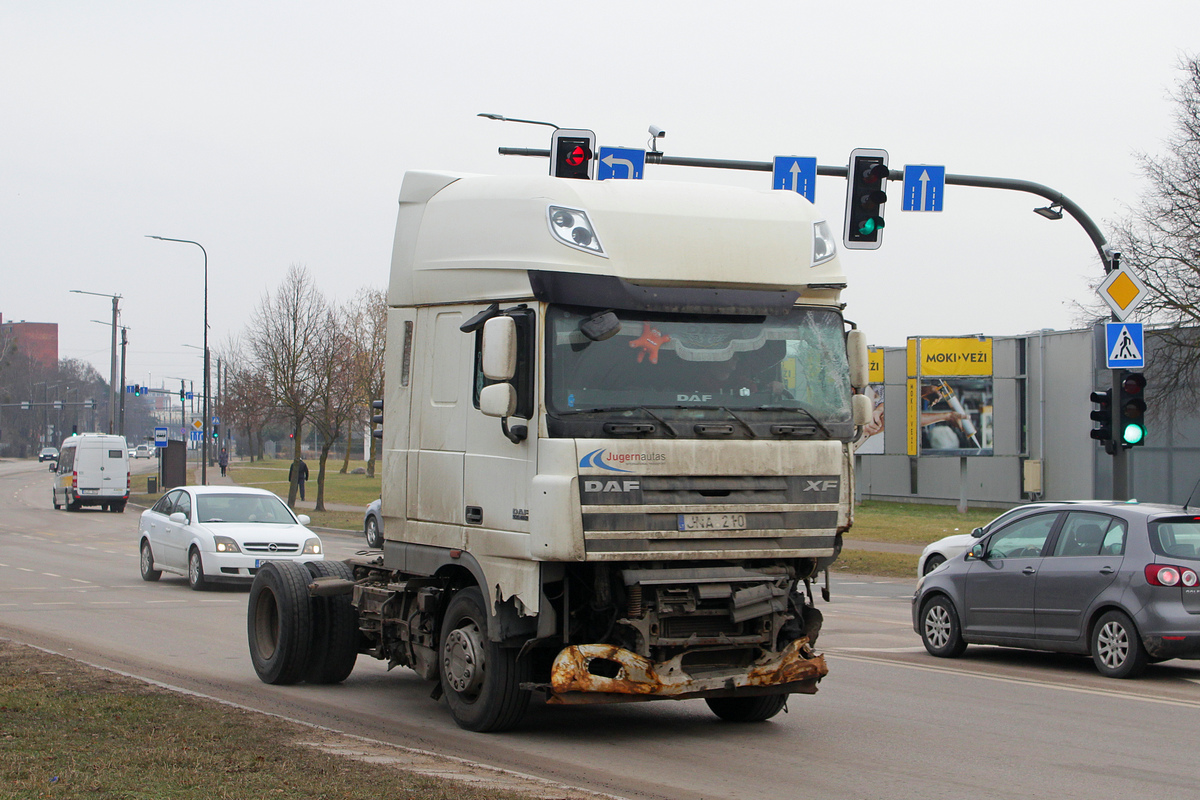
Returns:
(124, 344)
(204, 443)
(112, 367)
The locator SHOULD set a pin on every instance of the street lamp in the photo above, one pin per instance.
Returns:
(124, 343)
(204, 444)
(112, 370)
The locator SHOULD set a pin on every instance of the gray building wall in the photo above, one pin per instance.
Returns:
(1041, 413)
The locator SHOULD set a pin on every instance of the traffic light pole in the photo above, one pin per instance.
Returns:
(1108, 257)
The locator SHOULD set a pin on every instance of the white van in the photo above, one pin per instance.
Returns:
(93, 470)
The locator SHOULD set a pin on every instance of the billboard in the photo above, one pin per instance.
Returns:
(872, 441)
(950, 396)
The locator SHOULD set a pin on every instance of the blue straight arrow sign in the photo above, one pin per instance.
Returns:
(924, 186)
(795, 174)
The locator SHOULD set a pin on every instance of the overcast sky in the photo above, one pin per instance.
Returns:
(277, 133)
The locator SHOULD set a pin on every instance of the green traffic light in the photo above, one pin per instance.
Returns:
(1133, 434)
(870, 225)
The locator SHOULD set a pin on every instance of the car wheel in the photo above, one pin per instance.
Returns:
(335, 628)
(119, 506)
(149, 573)
(54, 500)
(374, 537)
(196, 571)
(747, 709)
(72, 503)
(940, 631)
(279, 622)
(934, 561)
(481, 679)
(1117, 648)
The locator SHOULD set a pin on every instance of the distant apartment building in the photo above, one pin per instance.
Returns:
(36, 340)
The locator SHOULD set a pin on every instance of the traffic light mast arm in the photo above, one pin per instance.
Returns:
(1107, 256)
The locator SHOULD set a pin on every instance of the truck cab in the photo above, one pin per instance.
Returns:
(617, 434)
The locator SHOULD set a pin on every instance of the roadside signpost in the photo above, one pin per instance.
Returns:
(160, 437)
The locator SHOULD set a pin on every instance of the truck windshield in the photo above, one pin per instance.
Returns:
(794, 362)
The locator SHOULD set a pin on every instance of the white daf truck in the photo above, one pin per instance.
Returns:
(617, 453)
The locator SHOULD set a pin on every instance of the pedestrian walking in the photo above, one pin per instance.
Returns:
(298, 473)
(223, 460)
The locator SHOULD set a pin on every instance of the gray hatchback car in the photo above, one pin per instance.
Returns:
(1117, 581)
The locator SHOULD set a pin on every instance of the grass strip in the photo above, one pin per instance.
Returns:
(74, 732)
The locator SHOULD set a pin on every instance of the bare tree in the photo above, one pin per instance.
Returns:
(367, 327)
(284, 335)
(246, 404)
(334, 400)
(1160, 240)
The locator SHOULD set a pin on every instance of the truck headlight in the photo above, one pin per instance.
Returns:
(824, 246)
(572, 227)
(226, 545)
(312, 547)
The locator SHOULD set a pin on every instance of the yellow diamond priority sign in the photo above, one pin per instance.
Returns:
(1123, 290)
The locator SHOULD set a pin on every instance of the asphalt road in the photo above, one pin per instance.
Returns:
(889, 721)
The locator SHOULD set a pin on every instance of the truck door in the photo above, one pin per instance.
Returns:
(498, 472)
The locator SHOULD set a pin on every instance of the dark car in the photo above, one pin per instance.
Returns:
(373, 524)
(1116, 581)
(48, 454)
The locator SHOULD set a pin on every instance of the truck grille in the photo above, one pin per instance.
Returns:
(647, 516)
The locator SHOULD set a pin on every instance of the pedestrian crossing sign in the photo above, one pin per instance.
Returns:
(1124, 345)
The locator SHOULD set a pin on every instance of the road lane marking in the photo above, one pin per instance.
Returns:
(51, 575)
(1109, 693)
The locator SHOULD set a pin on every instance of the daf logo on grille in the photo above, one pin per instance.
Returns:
(611, 486)
(273, 547)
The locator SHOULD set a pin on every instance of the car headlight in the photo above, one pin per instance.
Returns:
(312, 547)
(226, 545)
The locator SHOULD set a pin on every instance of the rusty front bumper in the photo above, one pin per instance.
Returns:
(574, 678)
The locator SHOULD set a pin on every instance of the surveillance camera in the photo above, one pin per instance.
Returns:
(657, 132)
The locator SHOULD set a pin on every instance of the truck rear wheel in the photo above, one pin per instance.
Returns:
(481, 679)
(279, 622)
(335, 628)
(747, 709)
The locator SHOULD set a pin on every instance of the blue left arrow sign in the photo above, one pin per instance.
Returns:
(621, 163)
(795, 174)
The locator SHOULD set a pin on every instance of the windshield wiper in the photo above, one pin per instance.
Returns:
(807, 412)
(609, 409)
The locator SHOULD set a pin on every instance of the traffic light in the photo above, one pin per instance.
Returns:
(1132, 409)
(137, 390)
(182, 394)
(377, 419)
(1103, 415)
(572, 154)
(216, 431)
(866, 181)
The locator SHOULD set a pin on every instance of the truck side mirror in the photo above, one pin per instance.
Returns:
(499, 351)
(858, 359)
(498, 400)
(862, 409)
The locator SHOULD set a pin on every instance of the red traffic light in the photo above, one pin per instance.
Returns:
(577, 156)
(1133, 383)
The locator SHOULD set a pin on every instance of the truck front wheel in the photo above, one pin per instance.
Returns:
(747, 709)
(481, 679)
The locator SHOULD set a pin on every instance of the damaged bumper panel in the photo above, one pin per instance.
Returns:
(601, 673)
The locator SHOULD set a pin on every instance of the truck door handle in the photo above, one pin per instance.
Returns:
(474, 515)
(1028, 571)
